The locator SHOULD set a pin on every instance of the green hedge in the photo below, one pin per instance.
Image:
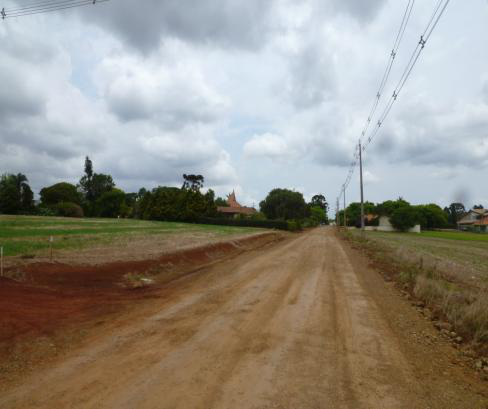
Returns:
(265, 224)
(68, 209)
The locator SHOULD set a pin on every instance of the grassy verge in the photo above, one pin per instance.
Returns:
(26, 236)
(454, 235)
(436, 270)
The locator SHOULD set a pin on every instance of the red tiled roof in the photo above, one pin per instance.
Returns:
(235, 207)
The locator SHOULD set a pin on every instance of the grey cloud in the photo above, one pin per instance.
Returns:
(166, 89)
(227, 23)
(173, 109)
(311, 79)
(18, 94)
(433, 139)
(362, 10)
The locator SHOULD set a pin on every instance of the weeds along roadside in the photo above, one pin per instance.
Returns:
(459, 310)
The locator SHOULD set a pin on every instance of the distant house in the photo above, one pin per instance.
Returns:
(385, 225)
(234, 208)
(475, 219)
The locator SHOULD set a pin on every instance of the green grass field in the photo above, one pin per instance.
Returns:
(454, 235)
(466, 254)
(29, 235)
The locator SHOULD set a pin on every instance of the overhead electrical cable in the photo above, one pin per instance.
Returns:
(432, 24)
(439, 11)
(384, 80)
(46, 7)
(40, 4)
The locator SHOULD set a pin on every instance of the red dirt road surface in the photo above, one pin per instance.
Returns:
(302, 323)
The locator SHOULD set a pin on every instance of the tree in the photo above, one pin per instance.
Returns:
(9, 196)
(318, 215)
(60, 192)
(284, 204)
(110, 203)
(353, 213)
(431, 216)
(101, 184)
(478, 207)
(173, 204)
(220, 202)
(86, 182)
(141, 193)
(455, 212)
(193, 182)
(27, 199)
(93, 186)
(388, 207)
(404, 218)
(319, 200)
(16, 196)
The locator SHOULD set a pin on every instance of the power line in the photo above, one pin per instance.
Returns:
(439, 11)
(46, 7)
(434, 20)
(389, 66)
(384, 80)
(39, 4)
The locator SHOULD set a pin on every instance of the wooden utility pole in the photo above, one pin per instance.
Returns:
(361, 182)
(345, 217)
(337, 214)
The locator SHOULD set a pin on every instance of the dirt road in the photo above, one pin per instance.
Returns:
(289, 326)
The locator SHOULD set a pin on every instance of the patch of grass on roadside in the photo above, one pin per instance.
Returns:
(21, 235)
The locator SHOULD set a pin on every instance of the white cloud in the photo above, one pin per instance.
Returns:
(267, 145)
(370, 177)
(165, 88)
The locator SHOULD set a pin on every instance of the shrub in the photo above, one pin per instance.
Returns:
(68, 209)
(404, 218)
(46, 211)
(294, 225)
(110, 204)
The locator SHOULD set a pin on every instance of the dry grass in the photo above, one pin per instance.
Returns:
(435, 271)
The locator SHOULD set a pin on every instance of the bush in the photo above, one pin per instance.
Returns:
(68, 209)
(404, 218)
(294, 225)
(110, 204)
(46, 211)
(265, 224)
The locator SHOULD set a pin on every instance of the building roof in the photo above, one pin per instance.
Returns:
(232, 201)
(235, 207)
(482, 219)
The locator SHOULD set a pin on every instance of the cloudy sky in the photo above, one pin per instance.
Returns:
(252, 94)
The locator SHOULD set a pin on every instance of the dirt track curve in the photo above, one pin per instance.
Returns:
(289, 326)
